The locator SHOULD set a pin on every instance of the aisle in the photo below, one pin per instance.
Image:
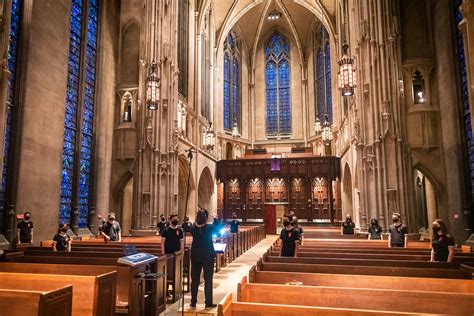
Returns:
(226, 280)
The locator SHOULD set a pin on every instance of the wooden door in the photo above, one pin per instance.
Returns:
(320, 201)
(270, 219)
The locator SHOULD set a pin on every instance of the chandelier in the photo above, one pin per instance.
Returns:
(327, 131)
(317, 126)
(153, 89)
(347, 74)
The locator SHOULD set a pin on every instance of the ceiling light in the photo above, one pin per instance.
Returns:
(274, 15)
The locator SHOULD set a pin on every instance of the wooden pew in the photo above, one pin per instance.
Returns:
(362, 262)
(372, 256)
(362, 281)
(364, 270)
(229, 308)
(357, 298)
(128, 292)
(35, 300)
(92, 295)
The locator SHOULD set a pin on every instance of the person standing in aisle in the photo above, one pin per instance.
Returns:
(202, 258)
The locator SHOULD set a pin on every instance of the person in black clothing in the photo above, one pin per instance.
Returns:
(172, 236)
(234, 225)
(347, 227)
(298, 227)
(443, 244)
(102, 222)
(202, 258)
(162, 224)
(398, 232)
(111, 230)
(62, 241)
(289, 238)
(375, 231)
(25, 230)
(186, 226)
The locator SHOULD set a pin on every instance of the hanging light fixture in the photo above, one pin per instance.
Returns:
(209, 140)
(235, 130)
(153, 89)
(274, 15)
(347, 74)
(327, 131)
(153, 80)
(317, 126)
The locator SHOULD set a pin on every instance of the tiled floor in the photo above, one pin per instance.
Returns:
(226, 280)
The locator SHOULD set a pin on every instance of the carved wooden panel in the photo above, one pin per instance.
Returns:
(299, 198)
(233, 202)
(320, 199)
(254, 199)
(276, 190)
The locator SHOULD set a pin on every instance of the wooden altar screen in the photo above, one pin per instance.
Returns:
(305, 184)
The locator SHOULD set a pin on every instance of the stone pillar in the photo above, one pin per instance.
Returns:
(156, 169)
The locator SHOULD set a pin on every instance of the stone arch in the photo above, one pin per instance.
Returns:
(347, 189)
(183, 174)
(205, 189)
(426, 199)
(129, 53)
(229, 151)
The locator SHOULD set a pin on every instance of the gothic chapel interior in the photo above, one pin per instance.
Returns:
(324, 108)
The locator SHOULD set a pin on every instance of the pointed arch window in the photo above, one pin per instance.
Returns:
(466, 109)
(183, 33)
(322, 71)
(77, 158)
(232, 84)
(12, 108)
(278, 81)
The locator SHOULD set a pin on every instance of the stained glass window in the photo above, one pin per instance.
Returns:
(183, 27)
(278, 82)
(232, 87)
(322, 70)
(464, 93)
(76, 173)
(11, 103)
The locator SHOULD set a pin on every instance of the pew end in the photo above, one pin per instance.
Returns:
(252, 274)
(241, 289)
(224, 308)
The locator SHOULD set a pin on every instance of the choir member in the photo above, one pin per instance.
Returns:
(442, 244)
(62, 241)
(348, 226)
(172, 237)
(398, 232)
(375, 231)
(25, 229)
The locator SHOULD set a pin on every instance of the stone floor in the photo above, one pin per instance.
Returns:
(226, 280)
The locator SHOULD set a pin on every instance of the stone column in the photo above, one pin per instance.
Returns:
(157, 156)
(467, 28)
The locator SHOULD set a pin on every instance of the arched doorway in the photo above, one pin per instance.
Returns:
(205, 190)
(183, 174)
(348, 207)
(228, 151)
(426, 208)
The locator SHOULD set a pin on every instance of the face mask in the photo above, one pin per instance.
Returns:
(174, 222)
(286, 223)
(163, 219)
(436, 230)
(395, 219)
(27, 218)
(64, 230)
(374, 224)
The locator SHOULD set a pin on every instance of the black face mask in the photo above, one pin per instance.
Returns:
(163, 219)
(27, 218)
(436, 230)
(174, 222)
(64, 230)
(395, 219)
(374, 224)
(286, 223)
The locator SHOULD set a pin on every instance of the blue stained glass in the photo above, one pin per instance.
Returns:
(464, 92)
(11, 102)
(278, 81)
(74, 133)
(328, 82)
(235, 91)
(227, 124)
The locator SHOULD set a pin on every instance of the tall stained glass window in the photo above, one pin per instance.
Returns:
(183, 27)
(11, 104)
(322, 71)
(277, 81)
(232, 97)
(76, 173)
(464, 93)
